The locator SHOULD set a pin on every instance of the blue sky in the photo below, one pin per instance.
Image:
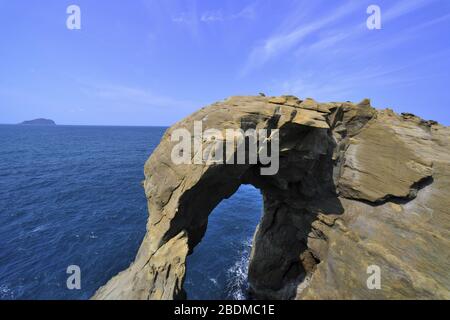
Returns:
(152, 62)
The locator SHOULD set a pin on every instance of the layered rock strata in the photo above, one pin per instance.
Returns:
(356, 187)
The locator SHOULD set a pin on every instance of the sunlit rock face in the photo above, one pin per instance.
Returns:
(355, 188)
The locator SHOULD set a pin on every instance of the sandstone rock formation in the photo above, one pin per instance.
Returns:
(356, 187)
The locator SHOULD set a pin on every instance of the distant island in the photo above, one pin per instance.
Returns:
(40, 122)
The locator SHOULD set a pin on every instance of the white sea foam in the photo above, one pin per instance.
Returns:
(6, 293)
(237, 275)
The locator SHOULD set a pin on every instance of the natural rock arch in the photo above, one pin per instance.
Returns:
(320, 168)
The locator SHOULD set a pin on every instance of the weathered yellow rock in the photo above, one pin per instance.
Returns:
(397, 208)
(330, 212)
(309, 104)
(311, 118)
(278, 100)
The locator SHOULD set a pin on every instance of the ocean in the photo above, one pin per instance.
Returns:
(72, 195)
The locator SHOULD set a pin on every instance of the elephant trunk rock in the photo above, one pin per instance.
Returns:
(355, 187)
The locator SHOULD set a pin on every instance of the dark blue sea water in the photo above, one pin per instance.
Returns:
(72, 196)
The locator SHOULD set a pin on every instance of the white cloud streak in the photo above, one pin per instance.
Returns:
(291, 37)
(215, 16)
(348, 57)
(401, 8)
(288, 37)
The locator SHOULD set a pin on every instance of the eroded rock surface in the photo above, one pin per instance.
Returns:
(356, 187)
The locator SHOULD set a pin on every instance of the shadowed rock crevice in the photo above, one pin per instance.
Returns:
(346, 196)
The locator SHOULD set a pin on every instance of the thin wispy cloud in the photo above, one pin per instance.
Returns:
(212, 16)
(162, 55)
(292, 38)
(342, 83)
(348, 56)
(346, 40)
(344, 87)
(333, 40)
(247, 12)
(401, 8)
(288, 38)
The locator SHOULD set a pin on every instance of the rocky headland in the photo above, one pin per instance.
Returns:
(357, 187)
